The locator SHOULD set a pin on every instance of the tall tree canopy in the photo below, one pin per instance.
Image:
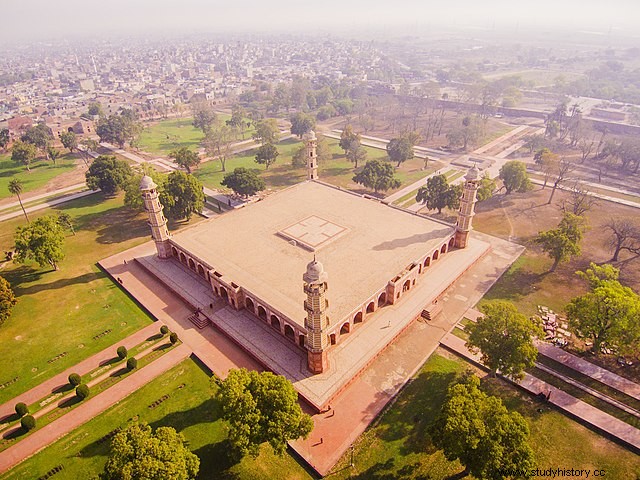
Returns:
(301, 123)
(609, 312)
(377, 175)
(119, 128)
(514, 176)
(182, 196)
(505, 339)
(204, 117)
(400, 149)
(40, 136)
(243, 182)
(69, 140)
(267, 131)
(563, 242)
(438, 194)
(15, 188)
(217, 143)
(42, 240)
(479, 431)
(24, 153)
(261, 407)
(266, 154)
(7, 300)
(139, 453)
(108, 174)
(5, 138)
(185, 158)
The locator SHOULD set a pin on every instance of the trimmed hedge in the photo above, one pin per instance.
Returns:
(22, 409)
(28, 422)
(122, 352)
(82, 391)
(74, 379)
(164, 329)
(173, 338)
(132, 363)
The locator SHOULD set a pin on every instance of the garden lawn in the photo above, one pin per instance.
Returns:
(60, 312)
(189, 408)
(41, 172)
(398, 445)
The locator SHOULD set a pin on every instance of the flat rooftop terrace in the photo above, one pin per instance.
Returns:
(266, 246)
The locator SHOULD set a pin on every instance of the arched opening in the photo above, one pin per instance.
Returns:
(275, 323)
(356, 319)
(451, 243)
(183, 259)
(200, 271)
(427, 262)
(302, 339)
(249, 304)
(224, 294)
(371, 307)
(406, 286)
(332, 339)
(436, 254)
(346, 328)
(443, 249)
(174, 251)
(382, 299)
(192, 264)
(70, 130)
(288, 332)
(262, 313)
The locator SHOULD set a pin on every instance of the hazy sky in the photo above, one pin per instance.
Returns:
(43, 18)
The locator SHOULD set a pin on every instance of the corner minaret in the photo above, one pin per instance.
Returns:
(157, 222)
(315, 286)
(467, 207)
(311, 144)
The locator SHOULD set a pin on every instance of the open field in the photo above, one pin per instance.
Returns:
(189, 409)
(537, 78)
(41, 172)
(60, 312)
(398, 445)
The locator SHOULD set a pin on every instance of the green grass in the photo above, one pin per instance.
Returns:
(61, 311)
(41, 172)
(189, 409)
(398, 446)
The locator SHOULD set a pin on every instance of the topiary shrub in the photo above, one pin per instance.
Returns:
(22, 409)
(82, 391)
(173, 338)
(164, 329)
(122, 352)
(132, 363)
(28, 422)
(74, 379)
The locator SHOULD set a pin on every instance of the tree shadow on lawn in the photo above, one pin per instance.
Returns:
(9, 418)
(216, 459)
(207, 411)
(515, 283)
(55, 285)
(63, 388)
(70, 402)
(111, 361)
(387, 471)
(22, 274)
(414, 412)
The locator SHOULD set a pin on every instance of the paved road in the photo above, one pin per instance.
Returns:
(47, 204)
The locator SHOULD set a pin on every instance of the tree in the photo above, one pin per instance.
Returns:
(203, 115)
(119, 128)
(24, 153)
(400, 150)
(132, 196)
(122, 352)
(609, 312)
(21, 409)
(479, 431)
(7, 300)
(486, 188)
(546, 161)
(580, 200)
(95, 109)
(377, 175)
(5, 138)
(69, 140)
(28, 422)
(82, 391)
(90, 145)
(173, 338)
(301, 123)
(505, 338)
(438, 194)
(266, 154)
(108, 174)
(243, 182)
(182, 196)
(356, 154)
(185, 158)
(138, 452)
(40, 136)
(323, 151)
(534, 143)
(261, 407)
(74, 379)
(53, 154)
(15, 188)
(217, 143)
(514, 177)
(563, 168)
(624, 235)
(349, 140)
(42, 240)
(132, 363)
(64, 220)
(164, 330)
(563, 242)
(267, 131)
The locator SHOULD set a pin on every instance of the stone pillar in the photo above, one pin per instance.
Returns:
(316, 323)
(311, 143)
(467, 207)
(157, 222)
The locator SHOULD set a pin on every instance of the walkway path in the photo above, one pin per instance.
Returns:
(575, 407)
(26, 199)
(90, 409)
(47, 204)
(60, 380)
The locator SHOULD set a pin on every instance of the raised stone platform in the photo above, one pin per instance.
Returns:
(353, 352)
